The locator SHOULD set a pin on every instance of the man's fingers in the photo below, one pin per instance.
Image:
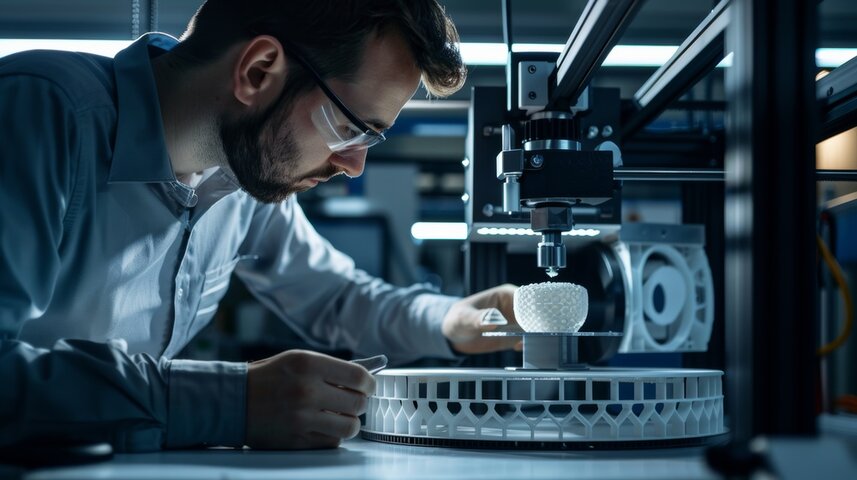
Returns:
(344, 374)
(336, 425)
(349, 375)
(342, 400)
(301, 399)
(320, 440)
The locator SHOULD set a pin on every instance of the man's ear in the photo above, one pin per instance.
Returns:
(259, 72)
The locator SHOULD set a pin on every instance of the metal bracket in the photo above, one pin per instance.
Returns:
(533, 80)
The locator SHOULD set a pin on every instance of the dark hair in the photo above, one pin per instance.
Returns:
(331, 34)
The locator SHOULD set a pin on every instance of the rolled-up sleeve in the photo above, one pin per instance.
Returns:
(77, 389)
(318, 291)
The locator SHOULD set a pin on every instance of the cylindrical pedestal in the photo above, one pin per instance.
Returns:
(551, 353)
(550, 350)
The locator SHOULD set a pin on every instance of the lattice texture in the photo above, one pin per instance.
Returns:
(561, 407)
(551, 307)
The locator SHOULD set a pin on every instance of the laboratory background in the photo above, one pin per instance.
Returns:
(691, 164)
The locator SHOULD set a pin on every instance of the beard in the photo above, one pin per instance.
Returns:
(264, 157)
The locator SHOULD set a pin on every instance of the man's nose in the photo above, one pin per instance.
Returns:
(352, 162)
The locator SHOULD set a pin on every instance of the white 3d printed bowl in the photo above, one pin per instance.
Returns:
(551, 307)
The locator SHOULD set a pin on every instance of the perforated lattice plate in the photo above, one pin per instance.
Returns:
(639, 406)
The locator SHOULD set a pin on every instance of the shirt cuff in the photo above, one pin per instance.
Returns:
(430, 310)
(206, 403)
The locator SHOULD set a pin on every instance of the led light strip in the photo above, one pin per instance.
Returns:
(458, 231)
(439, 231)
(624, 55)
(472, 53)
(576, 232)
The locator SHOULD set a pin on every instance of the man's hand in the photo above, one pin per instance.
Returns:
(300, 399)
(463, 324)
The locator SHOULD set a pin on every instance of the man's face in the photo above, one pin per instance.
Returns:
(279, 151)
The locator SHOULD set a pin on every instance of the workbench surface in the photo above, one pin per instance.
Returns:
(359, 459)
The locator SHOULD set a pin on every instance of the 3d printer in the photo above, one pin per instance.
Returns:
(543, 161)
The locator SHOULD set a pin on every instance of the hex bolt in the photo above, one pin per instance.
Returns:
(488, 210)
(532, 95)
(592, 132)
(531, 69)
(606, 131)
(537, 161)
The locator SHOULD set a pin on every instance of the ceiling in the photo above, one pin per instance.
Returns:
(659, 22)
(536, 21)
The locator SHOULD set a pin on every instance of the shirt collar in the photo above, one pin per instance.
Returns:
(140, 153)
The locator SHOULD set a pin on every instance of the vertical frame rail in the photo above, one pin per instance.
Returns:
(770, 274)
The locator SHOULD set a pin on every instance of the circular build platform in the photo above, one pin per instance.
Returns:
(596, 408)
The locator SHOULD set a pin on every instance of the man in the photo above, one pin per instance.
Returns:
(121, 220)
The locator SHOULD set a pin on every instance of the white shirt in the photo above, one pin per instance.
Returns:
(109, 266)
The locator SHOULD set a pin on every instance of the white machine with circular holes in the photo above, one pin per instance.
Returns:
(669, 290)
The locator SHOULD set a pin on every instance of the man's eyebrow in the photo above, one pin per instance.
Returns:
(378, 124)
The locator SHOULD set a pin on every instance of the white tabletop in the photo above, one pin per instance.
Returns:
(359, 459)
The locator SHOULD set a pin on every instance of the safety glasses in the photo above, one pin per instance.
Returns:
(341, 129)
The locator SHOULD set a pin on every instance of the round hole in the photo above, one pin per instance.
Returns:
(659, 298)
